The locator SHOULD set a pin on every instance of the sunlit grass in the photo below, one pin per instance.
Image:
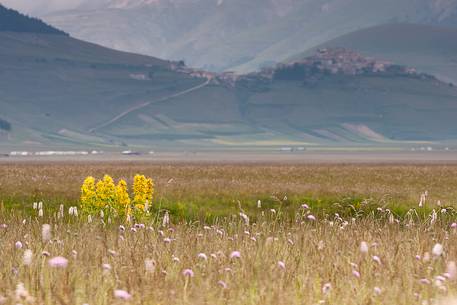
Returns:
(237, 234)
(300, 262)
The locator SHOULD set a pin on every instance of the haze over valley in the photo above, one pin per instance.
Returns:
(229, 74)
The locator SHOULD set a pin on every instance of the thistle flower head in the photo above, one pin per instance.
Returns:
(451, 270)
(377, 259)
(22, 294)
(311, 217)
(122, 295)
(27, 258)
(235, 254)
(245, 218)
(326, 288)
(437, 250)
(364, 247)
(106, 267)
(58, 262)
(149, 265)
(188, 273)
(222, 284)
(282, 265)
(46, 233)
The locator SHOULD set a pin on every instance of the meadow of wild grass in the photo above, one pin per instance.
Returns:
(237, 234)
(207, 191)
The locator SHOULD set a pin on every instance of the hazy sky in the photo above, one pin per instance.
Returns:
(41, 6)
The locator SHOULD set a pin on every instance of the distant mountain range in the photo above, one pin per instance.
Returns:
(237, 35)
(59, 91)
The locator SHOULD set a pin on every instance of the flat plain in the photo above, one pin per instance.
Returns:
(276, 232)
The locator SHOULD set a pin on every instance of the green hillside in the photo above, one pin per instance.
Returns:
(57, 91)
(335, 110)
(55, 88)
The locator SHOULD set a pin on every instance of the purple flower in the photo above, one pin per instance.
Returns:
(377, 290)
(377, 259)
(122, 295)
(235, 254)
(222, 284)
(106, 267)
(58, 262)
(188, 272)
(282, 265)
(424, 281)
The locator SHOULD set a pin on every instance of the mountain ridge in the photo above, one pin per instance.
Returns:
(57, 90)
(12, 21)
(239, 35)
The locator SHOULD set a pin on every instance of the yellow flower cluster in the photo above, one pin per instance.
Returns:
(115, 199)
(88, 194)
(106, 191)
(143, 189)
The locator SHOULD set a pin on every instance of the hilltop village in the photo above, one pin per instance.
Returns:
(325, 62)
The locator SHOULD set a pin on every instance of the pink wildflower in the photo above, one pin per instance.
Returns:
(122, 295)
(58, 262)
(235, 254)
(282, 265)
(222, 284)
(188, 272)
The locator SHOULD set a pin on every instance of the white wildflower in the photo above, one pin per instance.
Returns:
(364, 247)
(149, 265)
(437, 250)
(27, 258)
(46, 233)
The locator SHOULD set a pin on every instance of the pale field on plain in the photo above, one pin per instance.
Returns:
(297, 259)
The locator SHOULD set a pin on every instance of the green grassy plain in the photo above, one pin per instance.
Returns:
(205, 191)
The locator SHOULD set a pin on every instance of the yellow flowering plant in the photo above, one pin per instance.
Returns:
(113, 199)
(88, 194)
(122, 198)
(106, 192)
(143, 190)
